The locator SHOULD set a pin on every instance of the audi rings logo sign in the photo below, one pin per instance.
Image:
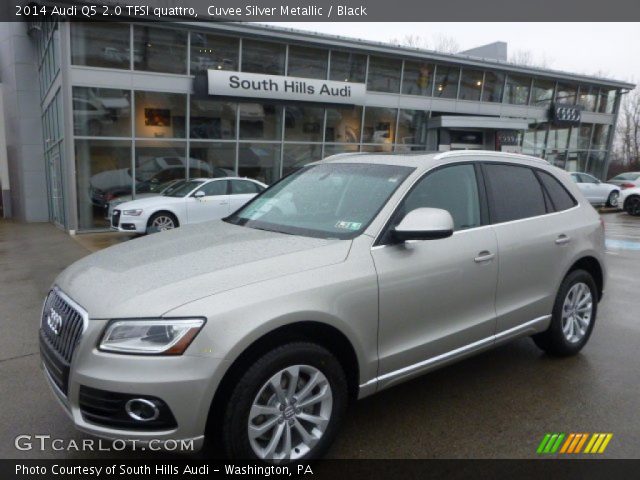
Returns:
(565, 114)
(54, 321)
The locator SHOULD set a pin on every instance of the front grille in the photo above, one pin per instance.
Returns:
(60, 330)
(115, 218)
(108, 409)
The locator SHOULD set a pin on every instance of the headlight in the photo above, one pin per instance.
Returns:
(150, 337)
(132, 213)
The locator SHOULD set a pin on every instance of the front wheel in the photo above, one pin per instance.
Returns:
(573, 316)
(612, 201)
(161, 221)
(287, 406)
(632, 205)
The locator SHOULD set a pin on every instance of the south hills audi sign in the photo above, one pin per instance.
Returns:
(253, 85)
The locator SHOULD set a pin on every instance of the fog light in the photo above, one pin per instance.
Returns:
(142, 410)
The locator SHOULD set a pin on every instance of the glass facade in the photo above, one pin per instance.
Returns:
(130, 142)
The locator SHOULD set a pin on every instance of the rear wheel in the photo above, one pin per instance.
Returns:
(573, 316)
(162, 221)
(632, 205)
(612, 201)
(287, 406)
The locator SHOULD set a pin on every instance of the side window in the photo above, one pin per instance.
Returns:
(240, 187)
(576, 177)
(562, 200)
(214, 188)
(514, 193)
(587, 178)
(454, 189)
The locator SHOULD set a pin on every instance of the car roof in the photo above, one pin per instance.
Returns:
(205, 179)
(427, 159)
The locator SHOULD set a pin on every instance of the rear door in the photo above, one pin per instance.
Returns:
(534, 241)
(214, 205)
(241, 192)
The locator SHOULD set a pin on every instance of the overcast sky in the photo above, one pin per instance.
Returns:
(588, 48)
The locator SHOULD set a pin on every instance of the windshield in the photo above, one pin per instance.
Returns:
(626, 176)
(182, 188)
(330, 200)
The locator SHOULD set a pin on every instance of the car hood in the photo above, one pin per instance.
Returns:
(152, 275)
(149, 202)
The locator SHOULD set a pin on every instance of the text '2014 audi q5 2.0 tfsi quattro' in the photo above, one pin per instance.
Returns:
(344, 278)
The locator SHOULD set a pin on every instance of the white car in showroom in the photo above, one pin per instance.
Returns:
(193, 201)
(597, 192)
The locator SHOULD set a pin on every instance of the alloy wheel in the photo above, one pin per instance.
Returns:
(163, 222)
(633, 206)
(577, 312)
(290, 413)
(613, 199)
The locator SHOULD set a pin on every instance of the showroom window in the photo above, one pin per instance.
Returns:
(412, 127)
(384, 74)
(566, 94)
(332, 149)
(260, 121)
(296, 156)
(588, 97)
(343, 124)
(98, 44)
(260, 161)
(103, 173)
(471, 84)
(517, 90)
(446, 81)
(219, 158)
(535, 139)
(542, 93)
(583, 136)
(348, 67)
(212, 119)
(596, 164)
(417, 78)
(101, 112)
(263, 57)
(303, 123)
(307, 62)
(379, 126)
(493, 87)
(213, 52)
(558, 138)
(160, 162)
(600, 137)
(160, 50)
(160, 115)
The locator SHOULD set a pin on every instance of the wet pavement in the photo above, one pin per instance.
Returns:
(495, 405)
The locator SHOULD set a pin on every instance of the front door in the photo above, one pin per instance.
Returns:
(437, 296)
(212, 206)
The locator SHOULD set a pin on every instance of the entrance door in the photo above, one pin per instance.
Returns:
(56, 196)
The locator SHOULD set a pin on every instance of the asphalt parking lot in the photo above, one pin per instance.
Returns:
(496, 405)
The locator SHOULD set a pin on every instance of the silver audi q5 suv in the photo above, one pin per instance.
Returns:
(344, 278)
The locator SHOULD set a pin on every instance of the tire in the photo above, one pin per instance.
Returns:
(632, 205)
(161, 221)
(254, 388)
(560, 342)
(612, 200)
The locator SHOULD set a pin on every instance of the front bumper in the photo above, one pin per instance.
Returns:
(185, 383)
(131, 224)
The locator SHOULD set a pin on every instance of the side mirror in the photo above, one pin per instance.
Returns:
(198, 195)
(424, 224)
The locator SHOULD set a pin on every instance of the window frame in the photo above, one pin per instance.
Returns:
(204, 185)
(384, 235)
(537, 172)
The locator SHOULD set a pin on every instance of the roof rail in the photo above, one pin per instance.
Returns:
(458, 153)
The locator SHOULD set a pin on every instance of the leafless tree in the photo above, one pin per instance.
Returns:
(626, 153)
(440, 43)
(526, 58)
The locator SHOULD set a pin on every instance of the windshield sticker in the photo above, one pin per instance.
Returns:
(353, 226)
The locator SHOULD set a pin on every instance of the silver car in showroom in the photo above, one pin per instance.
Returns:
(347, 277)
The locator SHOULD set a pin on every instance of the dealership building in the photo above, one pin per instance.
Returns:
(97, 111)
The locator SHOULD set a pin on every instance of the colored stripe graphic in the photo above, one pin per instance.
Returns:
(573, 443)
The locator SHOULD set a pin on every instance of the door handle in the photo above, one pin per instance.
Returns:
(562, 239)
(484, 256)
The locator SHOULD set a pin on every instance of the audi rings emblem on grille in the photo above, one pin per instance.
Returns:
(54, 321)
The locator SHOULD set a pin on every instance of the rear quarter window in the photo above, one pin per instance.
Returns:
(560, 197)
(514, 192)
